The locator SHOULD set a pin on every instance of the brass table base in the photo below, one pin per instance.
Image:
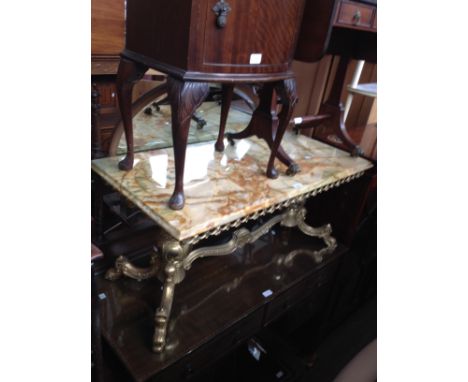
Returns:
(173, 258)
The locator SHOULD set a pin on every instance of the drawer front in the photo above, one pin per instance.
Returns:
(354, 14)
(192, 364)
(257, 35)
(311, 286)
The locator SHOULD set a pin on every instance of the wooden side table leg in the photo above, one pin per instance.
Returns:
(228, 90)
(335, 108)
(184, 97)
(262, 118)
(287, 90)
(129, 73)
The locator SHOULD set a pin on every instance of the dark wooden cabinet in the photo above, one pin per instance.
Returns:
(183, 37)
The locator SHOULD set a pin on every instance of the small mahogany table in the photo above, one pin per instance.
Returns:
(342, 28)
(221, 196)
(200, 41)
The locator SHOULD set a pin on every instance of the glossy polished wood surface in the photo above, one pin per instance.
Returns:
(222, 302)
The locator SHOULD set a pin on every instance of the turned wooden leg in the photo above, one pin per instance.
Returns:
(287, 90)
(228, 90)
(184, 97)
(129, 73)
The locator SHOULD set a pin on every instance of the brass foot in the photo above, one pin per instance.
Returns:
(123, 267)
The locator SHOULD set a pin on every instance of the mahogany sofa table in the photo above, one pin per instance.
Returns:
(196, 42)
(225, 192)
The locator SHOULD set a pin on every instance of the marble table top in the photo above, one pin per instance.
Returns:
(221, 188)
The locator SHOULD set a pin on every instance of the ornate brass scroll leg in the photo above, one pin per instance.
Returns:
(295, 216)
(123, 267)
(172, 253)
(163, 313)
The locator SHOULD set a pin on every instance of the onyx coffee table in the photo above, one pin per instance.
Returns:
(224, 191)
(196, 42)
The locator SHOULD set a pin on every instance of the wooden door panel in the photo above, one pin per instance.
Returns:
(254, 27)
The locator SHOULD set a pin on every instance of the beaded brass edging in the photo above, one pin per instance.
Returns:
(276, 207)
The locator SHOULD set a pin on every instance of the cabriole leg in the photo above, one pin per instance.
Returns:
(287, 91)
(185, 97)
(129, 73)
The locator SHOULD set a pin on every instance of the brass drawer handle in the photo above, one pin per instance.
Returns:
(222, 8)
(357, 16)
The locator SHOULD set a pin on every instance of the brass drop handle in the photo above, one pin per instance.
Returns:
(357, 16)
(222, 8)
